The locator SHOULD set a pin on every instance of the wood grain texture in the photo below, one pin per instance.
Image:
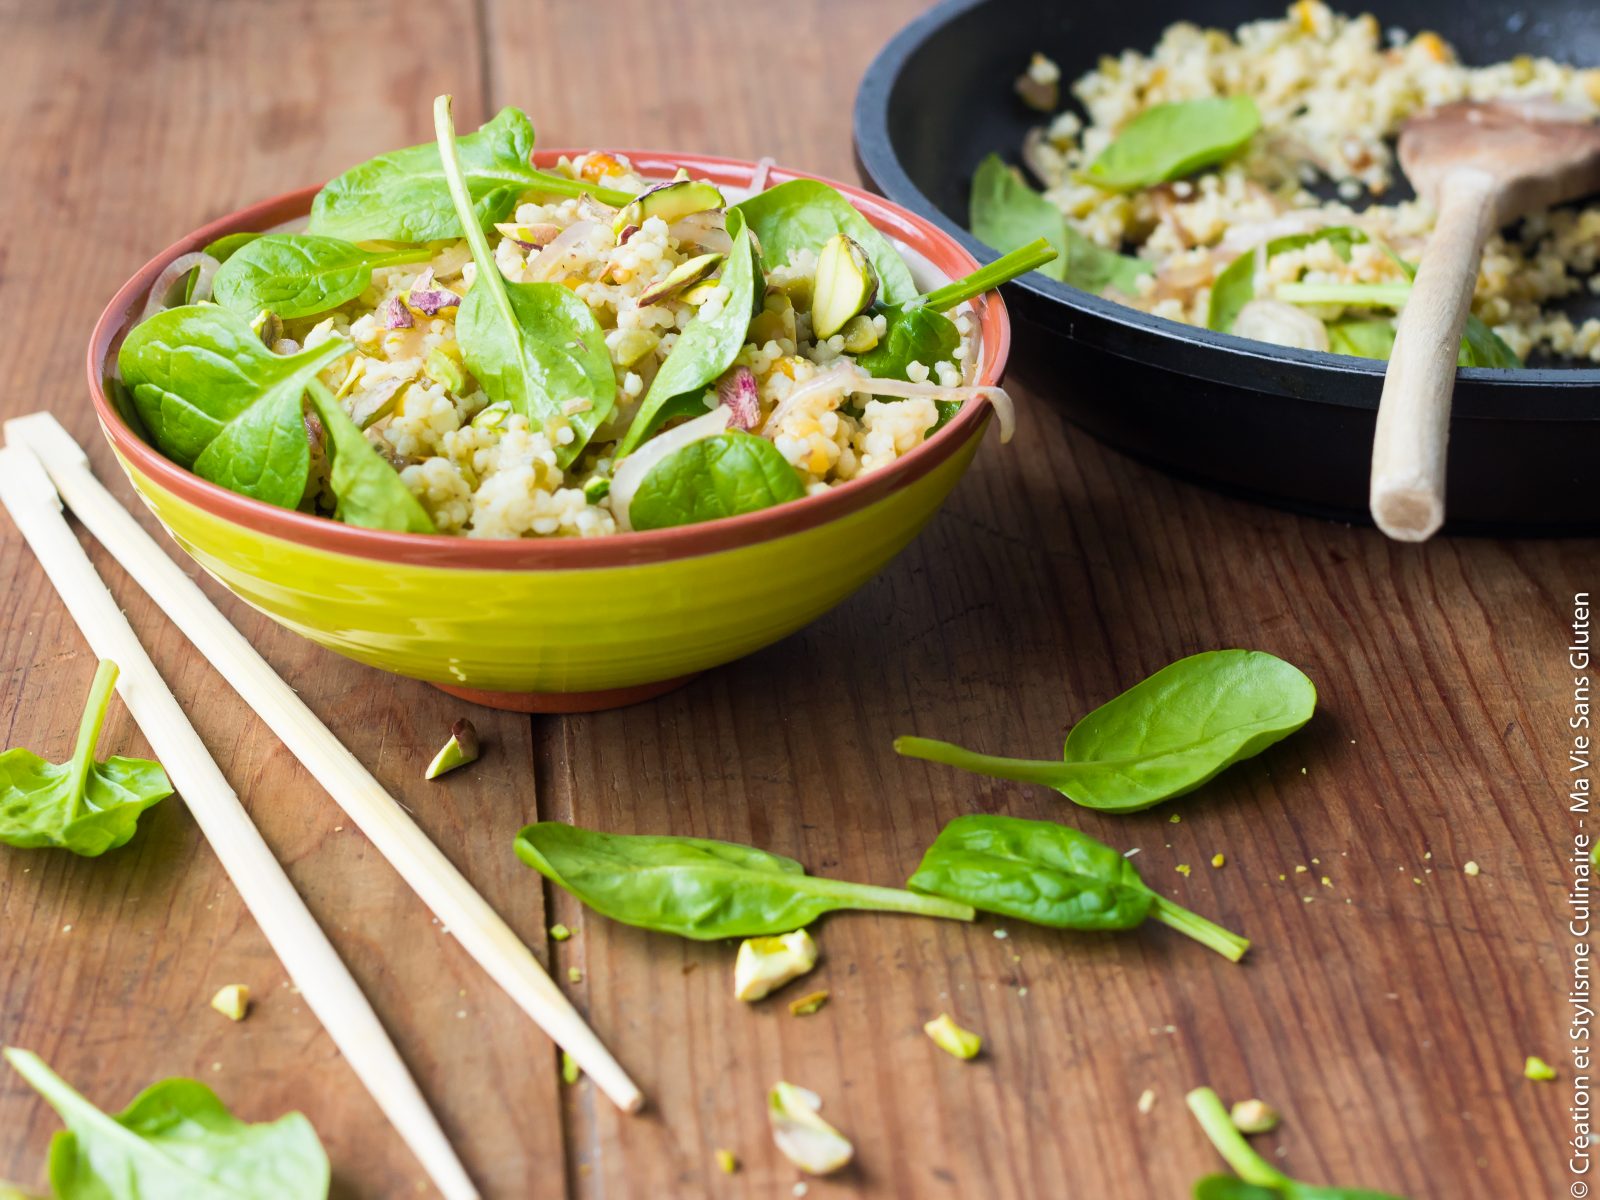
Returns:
(1386, 1018)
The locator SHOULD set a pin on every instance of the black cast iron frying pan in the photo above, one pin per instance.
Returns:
(1288, 427)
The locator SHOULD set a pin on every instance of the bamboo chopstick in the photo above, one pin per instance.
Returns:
(443, 889)
(307, 955)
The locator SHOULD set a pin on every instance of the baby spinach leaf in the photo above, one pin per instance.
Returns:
(81, 805)
(300, 274)
(1258, 1179)
(370, 492)
(1236, 285)
(1006, 213)
(1161, 738)
(535, 346)
(224, 248)
(1053, 875)
(918, 331)
(804, 213)
(1170, 141)
(701, 889)
(1481, 346)
(713, 478)
(176, 1141)
(704, 350)
(1361, 339)
(402, 196)
(193, 369)
(263, 452)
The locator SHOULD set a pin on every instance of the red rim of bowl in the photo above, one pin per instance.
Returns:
(450, 550)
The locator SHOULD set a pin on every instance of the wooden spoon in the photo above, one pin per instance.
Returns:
(1482, 164)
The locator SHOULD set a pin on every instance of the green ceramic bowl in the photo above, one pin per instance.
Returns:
(553, 625)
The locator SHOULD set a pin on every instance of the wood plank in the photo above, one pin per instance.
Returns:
(1387, 1018)
(139, 122)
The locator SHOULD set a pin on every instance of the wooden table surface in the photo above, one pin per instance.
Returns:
(1387, 1014)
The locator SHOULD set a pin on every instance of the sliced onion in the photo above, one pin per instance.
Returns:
(173, 272)
(631, 470)
(560, 252)
(1005, 410)
(707, 230)
(841, 378)
(758, 178)
(1281, 324)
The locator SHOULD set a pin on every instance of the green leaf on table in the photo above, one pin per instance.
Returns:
(369, 492)
(83, 805)
(701, 889)
(802, 214)
(1170, 141)
(195, 370)
(300, 274)
(176, 1141)
(1236, 285)
(534, 346)
(704, 350)
(1050, 874)
(403, 196)
(716, 477)
(1163, 737)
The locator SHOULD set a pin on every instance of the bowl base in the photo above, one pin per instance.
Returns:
(568, 702)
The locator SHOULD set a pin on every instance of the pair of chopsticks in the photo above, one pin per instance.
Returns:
(41, 466)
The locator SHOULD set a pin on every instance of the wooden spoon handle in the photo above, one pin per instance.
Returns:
(1408, 449)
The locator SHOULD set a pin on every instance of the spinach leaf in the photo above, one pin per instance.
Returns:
(804, 213)
(176, 1141)
(370, 492)
(1258, 1179)
(263, 452)
(81, 805)
(1236, 285)
(1170, 141)
(403, 196)
(701, 889)
(193, 369)
(918, 331)
(535, 346)
(301, 274)
(1361, 339)
(704, 350)
(1052, 875)
(224, 248)
(713, 478)
(1161, 738)
(1481, 346)
(1006, 213)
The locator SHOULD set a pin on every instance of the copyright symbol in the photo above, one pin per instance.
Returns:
(1579, 1190)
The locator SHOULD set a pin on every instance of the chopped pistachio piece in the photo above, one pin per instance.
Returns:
(684, 275)
(560, 933)
(951, 1038)
(669, 201)
(569, 1068)
(1471, 868)
(1217, 860)
(630, 345)
(268, 326)
(846, 284)
(804, 1138)
(445, 370)
(596, 488)
(574, 975)
(1537, 1069)
(765, 964)
(232, 1001)
(494, 416)
(461, 749)
(860, 334)
(1254, 1116)
(727, 1161)
(809, 1003)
